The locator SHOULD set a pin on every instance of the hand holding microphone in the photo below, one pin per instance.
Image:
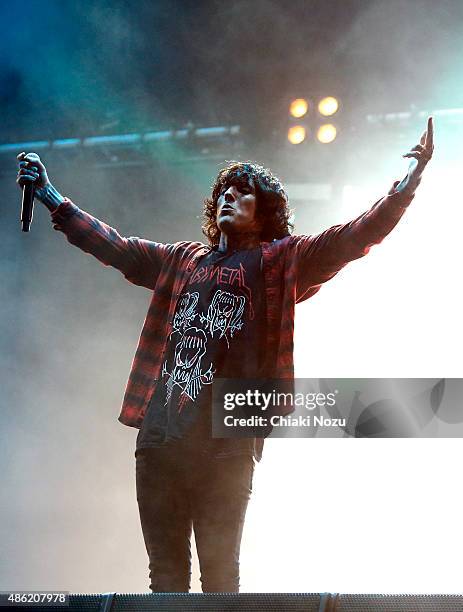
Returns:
(32, 178)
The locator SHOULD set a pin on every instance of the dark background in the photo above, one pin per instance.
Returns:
(82, 68)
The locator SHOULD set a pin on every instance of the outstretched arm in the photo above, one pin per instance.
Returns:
(320, 257)
(139, 260)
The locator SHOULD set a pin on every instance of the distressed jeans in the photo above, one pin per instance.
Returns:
(178, 490)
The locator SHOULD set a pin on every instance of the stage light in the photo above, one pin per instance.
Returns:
(328, 106)
(296, 134)
(298, 108)
(326, 133)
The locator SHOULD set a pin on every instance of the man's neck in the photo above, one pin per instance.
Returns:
(238, 242)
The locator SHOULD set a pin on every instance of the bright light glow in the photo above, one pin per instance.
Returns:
(298, 108)
(326, 133)
(297, 134)
(328, 106)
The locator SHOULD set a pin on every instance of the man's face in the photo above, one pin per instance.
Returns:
(236, 207)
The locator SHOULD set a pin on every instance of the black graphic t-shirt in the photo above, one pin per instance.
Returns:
(218, 330)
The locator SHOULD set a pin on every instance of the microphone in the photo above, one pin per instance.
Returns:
(27, 206)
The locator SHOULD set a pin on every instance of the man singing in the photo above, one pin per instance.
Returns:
(225, 309)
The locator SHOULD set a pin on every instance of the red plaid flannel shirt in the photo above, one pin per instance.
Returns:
(294, 269)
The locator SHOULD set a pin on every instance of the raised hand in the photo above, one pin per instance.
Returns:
(31, 170)
(423, 151)
(420, 156)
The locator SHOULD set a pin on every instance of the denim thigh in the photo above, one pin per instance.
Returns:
(178, 490)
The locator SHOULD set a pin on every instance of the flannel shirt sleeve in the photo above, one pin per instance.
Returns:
(140, 261)
(322, 256)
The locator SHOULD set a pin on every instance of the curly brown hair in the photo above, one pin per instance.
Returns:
(271, 201)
